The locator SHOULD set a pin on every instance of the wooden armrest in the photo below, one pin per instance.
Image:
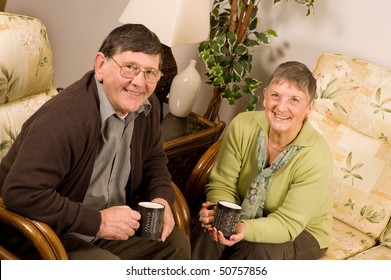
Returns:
(46, 241)
(43, 238)
(195, 187)
(181, 211)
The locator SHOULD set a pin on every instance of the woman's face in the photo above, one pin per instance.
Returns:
(286, 107)
(126, 95)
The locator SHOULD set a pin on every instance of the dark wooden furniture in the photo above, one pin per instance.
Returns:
(46, 241)
(191, 145)
(185, 140)
(195, 187)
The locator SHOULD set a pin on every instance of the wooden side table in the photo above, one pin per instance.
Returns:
(185, 140)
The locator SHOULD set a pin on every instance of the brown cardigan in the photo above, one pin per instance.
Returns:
(46, 173)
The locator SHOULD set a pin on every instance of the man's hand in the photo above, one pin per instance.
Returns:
(168, 220)
(118, 223)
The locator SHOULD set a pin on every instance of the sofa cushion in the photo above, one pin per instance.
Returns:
(361, 181)
(26, 73)
(376, 253)
(14, 114)
(347, 241)
(386, 237)
(26, 60)
(355, 93)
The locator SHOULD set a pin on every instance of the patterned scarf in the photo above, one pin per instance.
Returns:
(254, 200)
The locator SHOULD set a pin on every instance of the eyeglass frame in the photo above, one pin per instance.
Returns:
(139, 69)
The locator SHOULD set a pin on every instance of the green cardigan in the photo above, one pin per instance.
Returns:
(299, 196)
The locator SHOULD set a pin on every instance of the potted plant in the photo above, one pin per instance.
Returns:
(227, 56)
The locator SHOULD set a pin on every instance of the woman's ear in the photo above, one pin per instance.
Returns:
(311, 107)
(264, 97)
(99, 65)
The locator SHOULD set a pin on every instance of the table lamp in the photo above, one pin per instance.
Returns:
(175, 22)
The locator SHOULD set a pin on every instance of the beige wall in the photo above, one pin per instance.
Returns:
(353, 27)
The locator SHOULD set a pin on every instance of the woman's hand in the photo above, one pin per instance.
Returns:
(218, 236)
(207, 214)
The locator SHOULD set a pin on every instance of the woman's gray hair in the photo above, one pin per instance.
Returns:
(298, 74)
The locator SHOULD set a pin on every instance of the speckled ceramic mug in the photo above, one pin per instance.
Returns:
(151, 222)
(227, 217)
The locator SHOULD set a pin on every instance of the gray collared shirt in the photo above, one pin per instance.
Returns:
(112, 164)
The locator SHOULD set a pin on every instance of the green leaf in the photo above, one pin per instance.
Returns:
(339, 106)
(3, 82)
(253, 24)
(251, 43)
(218, 81)
(217, 70)
(4, 71)
(374, 105)
(221, 39)
(240, 50)
(357, 176)
(272, 32)
(252, 83)
(357, 166)
(203, 46)
(210, 62)
(5, 144)
(263, 38)
(385, 101)
(378, 95)
(231, 38)
(13, 84)
(349, 160)
(238, 70)
(215, 47)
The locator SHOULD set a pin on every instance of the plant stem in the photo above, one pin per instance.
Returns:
(240, 21)
(214, 104)
(246, 22)
(232, 17)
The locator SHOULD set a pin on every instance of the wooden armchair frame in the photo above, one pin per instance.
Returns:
(48, 244)
(195, 187)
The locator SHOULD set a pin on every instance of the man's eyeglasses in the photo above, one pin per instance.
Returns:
(130, 71)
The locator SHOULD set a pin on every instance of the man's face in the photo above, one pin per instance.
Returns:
(126, 95)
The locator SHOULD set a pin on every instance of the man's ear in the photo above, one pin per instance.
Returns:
(99, 65)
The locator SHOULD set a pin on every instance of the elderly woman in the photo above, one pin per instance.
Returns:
(278, 168)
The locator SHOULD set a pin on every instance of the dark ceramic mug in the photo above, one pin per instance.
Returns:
(151, 222)
(227, 217)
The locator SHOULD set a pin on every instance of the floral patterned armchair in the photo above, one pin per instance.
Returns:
(353, 113)
(26, 82)
(26, 73)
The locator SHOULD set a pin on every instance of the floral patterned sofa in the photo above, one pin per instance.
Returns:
(26, 73)
(353, 113)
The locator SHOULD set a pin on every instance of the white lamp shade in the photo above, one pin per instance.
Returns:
(175, 22)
